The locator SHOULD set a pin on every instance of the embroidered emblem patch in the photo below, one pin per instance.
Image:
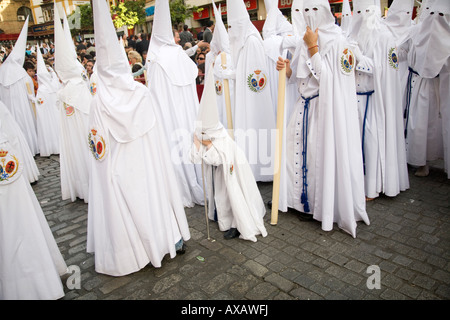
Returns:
(97, 145)
(231, 169)
(347, 61)
(69, 110)
(218, 85)
(93, 88)
(392, 57)
(84, 76)
(9, 167)
(257, 81)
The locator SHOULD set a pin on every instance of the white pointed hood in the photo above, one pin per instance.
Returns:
(162, 34)
(424, 9)
(67, 66)
(44, 78)
(298, 20)
(122, 103)
(239, 27)
(432, 40)
(275, 28)
(276, 24)
(346, 18)
(208, 125)
(179, 68)
(359, 7)
(220, 40)
(12, 69)
(68, 34)
(318, 16)
(399, 19)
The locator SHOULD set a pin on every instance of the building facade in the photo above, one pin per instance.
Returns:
(12, 16)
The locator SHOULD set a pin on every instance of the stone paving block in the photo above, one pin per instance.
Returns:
(166, 282)
(256, 268)
(261, 291)
(280, 282)
(114, 284)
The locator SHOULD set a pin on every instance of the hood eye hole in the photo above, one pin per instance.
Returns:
(441, 14)
(315, 9)
(306, 9)
(359, 11)
(297, 10)
(431, 12)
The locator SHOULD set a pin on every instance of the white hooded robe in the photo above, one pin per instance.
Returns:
(135, 213)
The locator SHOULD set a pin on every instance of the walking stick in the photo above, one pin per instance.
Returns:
(206, 203)
(278, 145)
(226, 88)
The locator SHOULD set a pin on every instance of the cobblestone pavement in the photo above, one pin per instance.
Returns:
(405, 247)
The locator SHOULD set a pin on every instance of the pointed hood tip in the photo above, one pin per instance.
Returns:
(208, 115)
(12, 69)
(109, 53)
(162, 30)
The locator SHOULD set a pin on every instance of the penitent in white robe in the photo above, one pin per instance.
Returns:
(334, 178)
(136, 215)
(254, 119)
(232, 188)
(423, 125)
(381, 120)
(15, 136)
(47, 116)
(175, 102)
(21, 104)
(30, 261)
(74, 153)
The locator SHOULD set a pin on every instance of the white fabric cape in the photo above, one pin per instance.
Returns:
(16, 138)
(74, 151)
(424, 139)
(234, 190)
(254, 118)
(136, 215)
(47, 115)
(30, 261)
(135, 212)
(384, 144)
(21, 105)
(176, 108)
(340, 185)
(444, 95)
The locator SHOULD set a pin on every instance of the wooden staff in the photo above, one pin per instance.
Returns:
(31, 93)
(278, 145)
(226, 89)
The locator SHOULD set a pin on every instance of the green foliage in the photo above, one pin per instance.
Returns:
(128, 13)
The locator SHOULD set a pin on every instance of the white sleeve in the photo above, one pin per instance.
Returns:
(209, 156)
(315, 65)
(191, 51)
